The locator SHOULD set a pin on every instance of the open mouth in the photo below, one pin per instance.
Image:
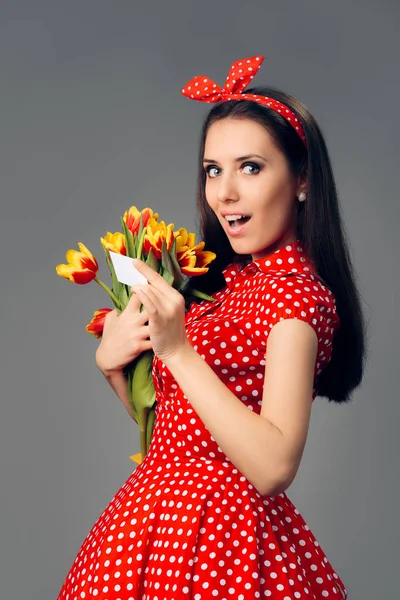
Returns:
(238, 222)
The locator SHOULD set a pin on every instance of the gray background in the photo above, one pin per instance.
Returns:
(92, 122)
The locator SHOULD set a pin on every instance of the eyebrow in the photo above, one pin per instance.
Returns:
(240, 158)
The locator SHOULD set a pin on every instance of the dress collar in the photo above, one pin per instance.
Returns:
(288, 258)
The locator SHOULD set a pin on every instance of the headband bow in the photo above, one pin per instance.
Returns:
(242, 71)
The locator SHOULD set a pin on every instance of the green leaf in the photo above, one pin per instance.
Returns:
(142, 233)
(152, 261)
(135, 244)
(202, 295)
(140, 226)
(142, 381)
(128, 374)
(168, 268)
(130, 246)
(141, 393)
(116, 285)
(124, 296)
(178, 276)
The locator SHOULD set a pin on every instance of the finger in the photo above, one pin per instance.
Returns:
(134, 302)
(110, 315)
(143, 316)
(149, 297)
(144, 332)
(152, 276)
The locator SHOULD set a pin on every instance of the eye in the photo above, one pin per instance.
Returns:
(253, 166)
(208, 169)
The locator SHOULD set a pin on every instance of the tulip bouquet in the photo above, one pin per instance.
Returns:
(175, 256)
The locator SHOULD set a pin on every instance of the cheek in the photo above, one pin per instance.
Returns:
(275, 188)
(209, 194)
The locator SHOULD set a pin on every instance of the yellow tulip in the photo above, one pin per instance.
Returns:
(132, 218)
(114, 242)
(191, 258)
(156, 233)
(82, 266)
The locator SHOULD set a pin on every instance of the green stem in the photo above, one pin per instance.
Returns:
(143, 443)
(202, 295)
(109, 292)
(143, 436)
(140, 245)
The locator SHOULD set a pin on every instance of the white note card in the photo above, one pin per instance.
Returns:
(125, 270)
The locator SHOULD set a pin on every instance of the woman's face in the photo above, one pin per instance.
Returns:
(260, 186)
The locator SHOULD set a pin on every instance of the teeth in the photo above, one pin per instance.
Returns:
(234, 217)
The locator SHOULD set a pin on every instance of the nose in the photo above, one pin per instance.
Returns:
(226, 189)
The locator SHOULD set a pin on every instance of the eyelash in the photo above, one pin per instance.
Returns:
(252, 164)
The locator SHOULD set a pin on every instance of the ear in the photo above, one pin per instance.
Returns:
(302, 187)
(302, 184)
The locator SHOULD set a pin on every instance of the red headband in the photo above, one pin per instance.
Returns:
(241, 72)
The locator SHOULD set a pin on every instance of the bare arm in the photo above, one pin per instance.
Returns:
(265, 447)
(118, 382)
(124, 338)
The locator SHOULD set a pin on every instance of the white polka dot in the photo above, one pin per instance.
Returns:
(186, 519)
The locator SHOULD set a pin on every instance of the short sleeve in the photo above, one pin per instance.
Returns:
(303, 297)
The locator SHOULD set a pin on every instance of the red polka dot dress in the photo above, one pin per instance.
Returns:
(187, 524)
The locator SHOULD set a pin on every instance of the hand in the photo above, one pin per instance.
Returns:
(125, 336)
(166, 309)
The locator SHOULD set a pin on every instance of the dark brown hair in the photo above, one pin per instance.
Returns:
(319, 228)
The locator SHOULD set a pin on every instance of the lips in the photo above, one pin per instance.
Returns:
(236, 230)
(224, 215)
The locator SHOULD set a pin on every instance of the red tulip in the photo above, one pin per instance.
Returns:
(96, 325)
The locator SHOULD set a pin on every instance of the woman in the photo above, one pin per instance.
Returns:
(205, 515)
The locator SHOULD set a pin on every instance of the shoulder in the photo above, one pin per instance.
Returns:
(305, 297)
(302, 296)
(299, 295)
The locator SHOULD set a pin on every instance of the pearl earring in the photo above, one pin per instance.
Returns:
(302, 196)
